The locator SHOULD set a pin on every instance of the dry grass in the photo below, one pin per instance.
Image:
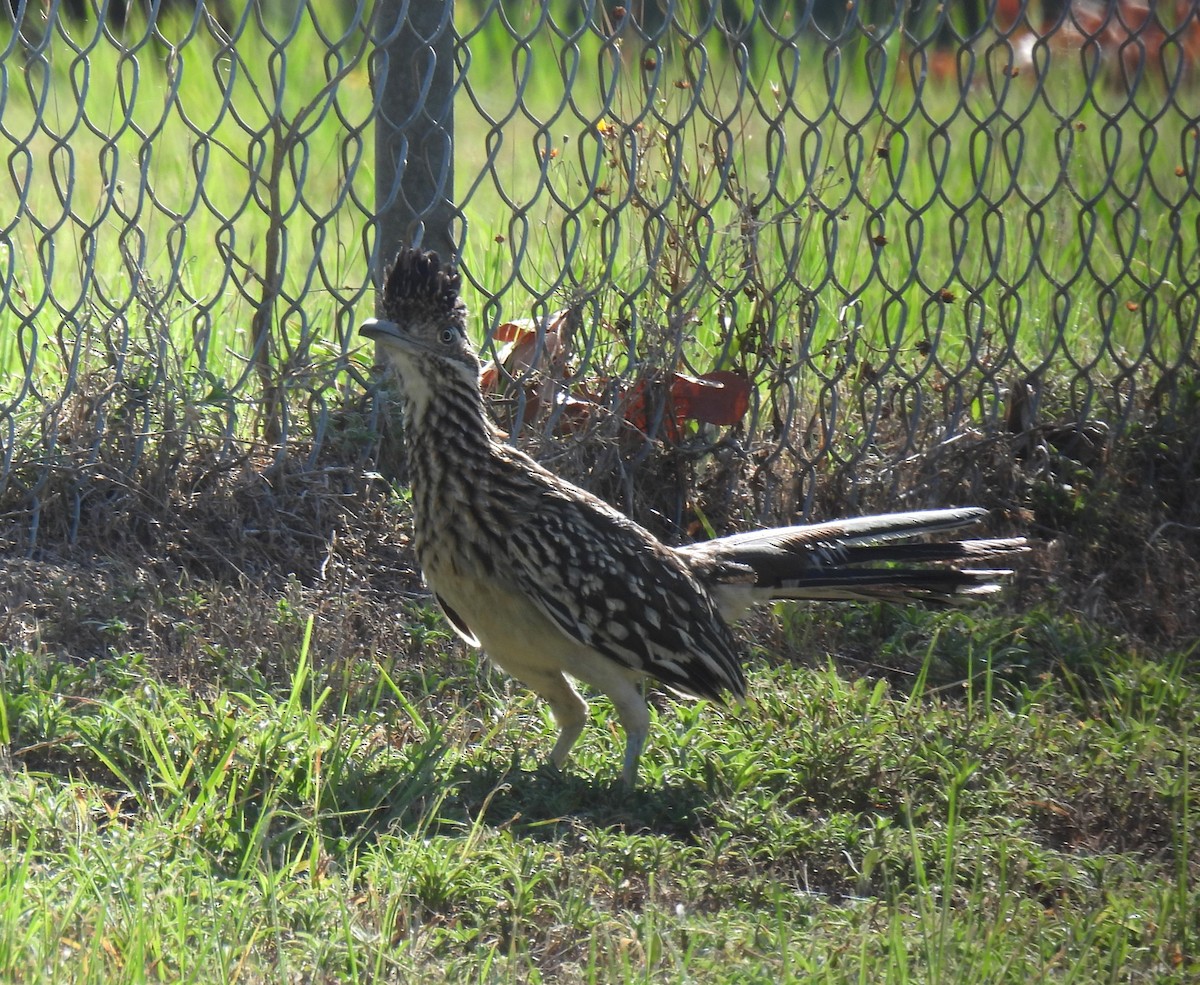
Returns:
(126, 525)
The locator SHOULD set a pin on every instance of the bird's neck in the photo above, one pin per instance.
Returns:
(447, 430)
(452, 446)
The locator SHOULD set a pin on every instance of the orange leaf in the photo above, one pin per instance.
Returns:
(721, 398)
(510, 331)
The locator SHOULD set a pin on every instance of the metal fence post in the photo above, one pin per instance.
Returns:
(414, 131)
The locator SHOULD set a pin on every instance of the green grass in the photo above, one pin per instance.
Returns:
(1018, 828)
(927, 233)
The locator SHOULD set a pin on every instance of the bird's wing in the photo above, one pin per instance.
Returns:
(457, 622)
(605, 582)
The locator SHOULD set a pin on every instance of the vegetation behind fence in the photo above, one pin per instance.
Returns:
(763, 251)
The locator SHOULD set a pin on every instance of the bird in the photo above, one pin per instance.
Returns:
(558, 587)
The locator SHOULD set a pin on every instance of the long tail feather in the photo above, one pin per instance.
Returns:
(866, 558)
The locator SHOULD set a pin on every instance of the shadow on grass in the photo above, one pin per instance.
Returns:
(540, 803)
(420, 797)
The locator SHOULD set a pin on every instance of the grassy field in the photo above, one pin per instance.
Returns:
(237, 744)
(1031, 819)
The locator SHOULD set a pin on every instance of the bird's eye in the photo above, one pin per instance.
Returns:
(447, 336)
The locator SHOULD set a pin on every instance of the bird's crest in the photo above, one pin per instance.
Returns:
(417, 286)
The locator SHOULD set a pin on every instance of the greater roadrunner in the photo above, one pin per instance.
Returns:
(555, 584)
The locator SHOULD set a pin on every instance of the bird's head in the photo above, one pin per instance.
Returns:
(422, 332)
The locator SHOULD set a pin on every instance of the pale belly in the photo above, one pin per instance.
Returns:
(507, 626)
(517, 637)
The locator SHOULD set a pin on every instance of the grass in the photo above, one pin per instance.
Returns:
(898, 223)
(1010, 829)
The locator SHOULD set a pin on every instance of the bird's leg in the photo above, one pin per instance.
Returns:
(568, 708)
(570, 712)
(635, 739)
(568, 733)
(627, 698)
(636, 722)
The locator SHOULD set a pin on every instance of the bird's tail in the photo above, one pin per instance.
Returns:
(866, 558)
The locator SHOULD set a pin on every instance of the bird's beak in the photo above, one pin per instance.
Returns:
(375, 328)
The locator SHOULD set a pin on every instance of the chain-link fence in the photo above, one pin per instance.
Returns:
(794, 243)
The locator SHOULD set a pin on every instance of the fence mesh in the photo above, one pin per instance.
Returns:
(779, 247)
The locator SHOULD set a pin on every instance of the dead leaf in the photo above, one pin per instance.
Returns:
(721, 397)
